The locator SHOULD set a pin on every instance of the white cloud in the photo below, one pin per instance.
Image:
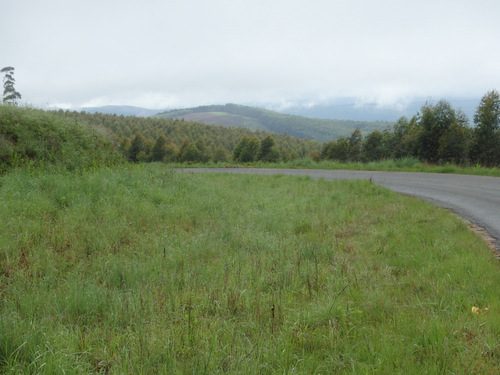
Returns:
(177, 53)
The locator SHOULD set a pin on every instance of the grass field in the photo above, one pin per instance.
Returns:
(140, 270)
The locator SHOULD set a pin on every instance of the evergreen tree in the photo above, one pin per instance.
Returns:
(326, 150)
(387, 143)
(409, 146)
(400, 132)
(267, 152)
(171, 153)
(453, 144)
(137, 146)
(124, 145)
(355, 144)
(205, 153)
(159, 151)
(10, 95)
(189, 153)
(337, 150)
(486, 143)
(373, 146)
(220, 154)
(246, 149)
(435, 121)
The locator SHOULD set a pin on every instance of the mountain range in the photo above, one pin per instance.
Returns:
(317, 122)
(233, 115)
(371, 111)
(262, 119)
(125, 110)
(341, 109)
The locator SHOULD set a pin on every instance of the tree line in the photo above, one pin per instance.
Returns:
(175, 140)
(437, 134)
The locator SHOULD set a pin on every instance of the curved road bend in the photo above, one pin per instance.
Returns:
(476, 198)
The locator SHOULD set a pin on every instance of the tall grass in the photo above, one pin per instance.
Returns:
(35, 139)
(143, 270)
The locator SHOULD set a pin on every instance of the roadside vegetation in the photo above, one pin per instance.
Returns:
(138, 269)
(36, 139)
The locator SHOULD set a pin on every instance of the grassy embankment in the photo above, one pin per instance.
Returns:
(142, 270)
(34, 139)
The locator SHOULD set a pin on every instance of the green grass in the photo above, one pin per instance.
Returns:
(399, 165)
(143, 270)
(37, 139)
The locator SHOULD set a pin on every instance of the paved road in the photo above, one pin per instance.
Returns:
(476, 198)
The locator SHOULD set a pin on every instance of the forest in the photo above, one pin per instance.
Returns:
(437, 134)
(175, 140)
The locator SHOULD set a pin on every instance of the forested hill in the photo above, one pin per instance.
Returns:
(234, 115)
(179, 138)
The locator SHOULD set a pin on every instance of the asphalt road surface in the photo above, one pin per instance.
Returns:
(476, 198)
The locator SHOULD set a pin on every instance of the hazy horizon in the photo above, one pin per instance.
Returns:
(281, 54)
(345, 109)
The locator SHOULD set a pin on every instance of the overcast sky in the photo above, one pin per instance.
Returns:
(179, 53)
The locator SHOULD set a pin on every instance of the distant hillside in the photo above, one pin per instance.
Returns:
(125, 110)
(233, 115)
(348, 108)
